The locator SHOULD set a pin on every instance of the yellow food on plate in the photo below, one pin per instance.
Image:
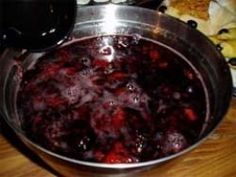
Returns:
(230, 5)
(228, 48)
(196, 8)
(215, 18)
(226, 41)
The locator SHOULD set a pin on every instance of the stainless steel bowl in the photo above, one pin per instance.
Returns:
(124, 20)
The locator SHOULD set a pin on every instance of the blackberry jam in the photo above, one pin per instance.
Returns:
(112, 99)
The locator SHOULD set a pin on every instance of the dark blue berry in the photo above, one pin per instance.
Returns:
(192, 23)
(232, 61)
(162, 9)
(219, 47)
(224, 30)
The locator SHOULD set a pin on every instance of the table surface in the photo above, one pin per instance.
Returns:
(216, 157)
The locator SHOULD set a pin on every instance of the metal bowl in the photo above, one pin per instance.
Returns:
(124, 20)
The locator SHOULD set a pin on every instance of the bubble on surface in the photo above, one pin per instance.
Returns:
(136, 38)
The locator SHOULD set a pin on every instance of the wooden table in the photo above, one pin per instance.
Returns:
(216, 157)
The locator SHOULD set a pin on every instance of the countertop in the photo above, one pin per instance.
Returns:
(216, 157)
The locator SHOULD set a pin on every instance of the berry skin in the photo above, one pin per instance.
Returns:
(119, 154)
(118, 118)
(174, 142)
(100, 63)
(154, 55)
(55, 101)
(190, 114)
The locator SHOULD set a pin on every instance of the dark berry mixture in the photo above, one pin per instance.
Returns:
(112, 99)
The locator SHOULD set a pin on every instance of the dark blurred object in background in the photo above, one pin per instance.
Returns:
(35, 24)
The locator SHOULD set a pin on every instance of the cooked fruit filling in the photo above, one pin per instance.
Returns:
(112, 99)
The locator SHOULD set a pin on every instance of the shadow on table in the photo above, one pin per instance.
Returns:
(12, 138)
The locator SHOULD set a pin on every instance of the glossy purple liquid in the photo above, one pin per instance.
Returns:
(112, 99)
